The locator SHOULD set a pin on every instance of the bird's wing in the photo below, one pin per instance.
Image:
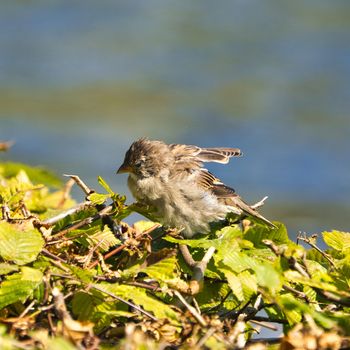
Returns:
(199, 154)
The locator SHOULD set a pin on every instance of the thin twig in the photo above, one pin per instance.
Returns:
(191, 309)
(27, 309)
(51, 306)
(66, 191)
(52, 221)
(53, 256)
(269, 319)
(313, 245)
(333, 297)
(144, 285)
(298, 293)
(87, 190)
(205, 337)
(86, 221)
(264, 324)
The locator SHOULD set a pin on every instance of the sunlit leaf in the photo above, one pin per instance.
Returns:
(104, 240)
(104, 184)
(258, 233)
(337, 239)
(140, 297)
(19, 286)
(98, 198)
(19, 246)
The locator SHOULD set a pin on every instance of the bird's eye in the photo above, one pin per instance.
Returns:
(138, 164)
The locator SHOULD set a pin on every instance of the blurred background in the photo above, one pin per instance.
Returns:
(80, 80)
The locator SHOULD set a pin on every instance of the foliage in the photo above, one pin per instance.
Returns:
(83, 278)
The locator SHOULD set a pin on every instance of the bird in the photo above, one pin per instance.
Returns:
(171, 179)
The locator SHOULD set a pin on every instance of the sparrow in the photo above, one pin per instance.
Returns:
(171, 179)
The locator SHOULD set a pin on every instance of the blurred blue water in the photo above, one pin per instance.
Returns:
(79, 81)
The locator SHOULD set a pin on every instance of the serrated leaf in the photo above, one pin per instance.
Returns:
(140, 297)
(291, 308)
(235, 284)
(144, 225)
(249, 284)
(294, 309)
(256, 234)
(213, 294)
(268, 277)
(19, 246)
(236, 261)
(337, 239)
(103, 239)
(19, 286)
(163, 270)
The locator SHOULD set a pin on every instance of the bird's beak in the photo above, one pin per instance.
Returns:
(124, 168)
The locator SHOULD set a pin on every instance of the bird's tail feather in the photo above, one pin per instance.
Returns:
(251, 211)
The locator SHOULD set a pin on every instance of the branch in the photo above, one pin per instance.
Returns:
(87, 190)
(105, 211)
(191, 309)
(306, 239)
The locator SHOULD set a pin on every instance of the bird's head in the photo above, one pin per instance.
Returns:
(146, 158)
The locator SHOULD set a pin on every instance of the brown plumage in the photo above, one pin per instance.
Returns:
(171, 178)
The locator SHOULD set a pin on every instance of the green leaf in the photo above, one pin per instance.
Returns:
(19, 246)
(236, 261)
(226, 242)
(234, 283)
(163, 270)
(83, 275)
(268, 277)
(103, 239)
(83, 305)
(7, 268)
(140, 297)
(258, 233)
(337, 239)
(98, 198)
(19, 286)
(104, 184)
